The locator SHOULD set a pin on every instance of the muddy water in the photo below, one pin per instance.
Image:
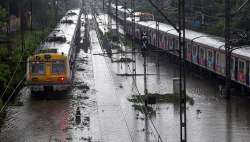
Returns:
(52, 117)
(107, 116)
(210, 119)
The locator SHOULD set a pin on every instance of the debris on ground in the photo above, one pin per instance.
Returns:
(124, 60)
(153, 98)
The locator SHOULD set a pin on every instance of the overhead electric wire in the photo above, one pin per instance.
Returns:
(123, 114)
(145, 110)
(13, 75)
(124, 117)
(13, 92)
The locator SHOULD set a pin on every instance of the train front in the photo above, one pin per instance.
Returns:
(48, 72)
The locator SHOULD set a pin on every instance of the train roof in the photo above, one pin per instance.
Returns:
(121, 8)
(201, 38)
(65, 29)
(102, 20)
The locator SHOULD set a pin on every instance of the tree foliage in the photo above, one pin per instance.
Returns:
(209, 14)
(3, 16)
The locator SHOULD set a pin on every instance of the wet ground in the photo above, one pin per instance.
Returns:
(101, 93)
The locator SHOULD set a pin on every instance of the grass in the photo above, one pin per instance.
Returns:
(159, 98)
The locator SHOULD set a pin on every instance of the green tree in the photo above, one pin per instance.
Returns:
(3, 17)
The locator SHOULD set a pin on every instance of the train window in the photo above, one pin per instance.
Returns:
(217, 58)
(58, 67)
(174, 43)
(202, 52)
(38, 68)
(56, 39)
(194, 49)
(66, 21)
(189, 46)
(210, 55)
(241, 66)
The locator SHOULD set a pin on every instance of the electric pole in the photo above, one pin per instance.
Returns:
(133, 38)
(116, 20)
(109, 18)
(182, 57)
(103, 5)
(144, 54)
(227, 47)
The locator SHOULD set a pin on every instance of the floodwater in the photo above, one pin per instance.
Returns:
(108, 116)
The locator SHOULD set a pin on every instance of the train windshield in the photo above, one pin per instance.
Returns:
(58, 67)
(38, 68)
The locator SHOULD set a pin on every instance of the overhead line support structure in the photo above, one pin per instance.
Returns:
(133, 37)
(182, 56)
(228, 47)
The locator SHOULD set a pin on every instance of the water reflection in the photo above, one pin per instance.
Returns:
(229, 121)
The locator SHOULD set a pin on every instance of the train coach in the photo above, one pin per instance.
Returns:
(204, 51)
(50, 69)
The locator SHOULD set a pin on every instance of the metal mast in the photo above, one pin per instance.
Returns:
(109, 18)
(227, 47)
(116, 20)
(133, 37)
(182, 56)
(182, 60)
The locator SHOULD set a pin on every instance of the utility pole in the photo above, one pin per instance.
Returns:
(125, 15)
(116, 20)
(144, 54)
(157, 41)
(182, 56)
(103, 5)
(109, 18)
(133, 38)
(182, 59)
(227, 47)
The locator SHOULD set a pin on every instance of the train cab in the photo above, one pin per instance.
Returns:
(48, 71)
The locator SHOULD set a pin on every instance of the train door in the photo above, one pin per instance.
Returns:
(189, 51)
(247, 73)
(170, 43)
(161, 42)
(236, 68)
(194, 53)
(174, 43)
(166, 42)
(151, 36)
(154, 38)
(220, 63)
(241, 71)
(210, 59)
(162, 45)
(233, 68)
(202, 57)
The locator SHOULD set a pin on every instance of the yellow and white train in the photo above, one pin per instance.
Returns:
(50, 69)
